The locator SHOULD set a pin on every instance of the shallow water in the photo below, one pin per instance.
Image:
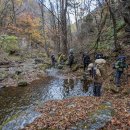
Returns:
(54, 86)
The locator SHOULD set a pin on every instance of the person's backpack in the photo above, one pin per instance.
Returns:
(120, 65)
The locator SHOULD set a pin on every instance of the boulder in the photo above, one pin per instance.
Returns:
(1, 79)
(3, 75)
(4, 63)
(18, 72)
(39, 61)
(2, 85)
(22, 83)
(60, 66)
(96, 120)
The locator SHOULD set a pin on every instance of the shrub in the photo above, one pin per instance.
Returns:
(9, 43)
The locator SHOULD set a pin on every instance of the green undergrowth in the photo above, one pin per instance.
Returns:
(9, 43)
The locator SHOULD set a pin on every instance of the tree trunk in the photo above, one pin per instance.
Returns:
(64, 26)
(14, 13)
(114, 25)
(43, 27)
(75, 13)
(125, 5)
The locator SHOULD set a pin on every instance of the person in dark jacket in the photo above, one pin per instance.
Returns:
(53, 60)
(71, 59)
(119, 67)
(86, 60)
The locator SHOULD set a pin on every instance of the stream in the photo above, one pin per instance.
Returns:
(22, 101)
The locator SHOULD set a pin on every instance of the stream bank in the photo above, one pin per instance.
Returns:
(22, 73)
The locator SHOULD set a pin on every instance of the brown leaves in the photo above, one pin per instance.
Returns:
(129, 122)
(63, 114)
(66, 113)
(114, 121)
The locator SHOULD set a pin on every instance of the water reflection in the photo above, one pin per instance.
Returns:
(85, 86)
(68, 85)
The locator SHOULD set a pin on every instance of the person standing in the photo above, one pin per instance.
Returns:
(86, 60)
(71, 59)
(53, 60)
(99, 73)
(119, 67)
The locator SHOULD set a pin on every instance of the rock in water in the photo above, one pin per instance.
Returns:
(22, 83)
(60, 66)
(38, 61)
(21, 121)
(18, 72)
(97, 120)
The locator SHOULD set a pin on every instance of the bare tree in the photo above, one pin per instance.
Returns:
(4, 10)
(111, 3)
(55, 27)
(125, 11)
(13, 12)
(42, 9)
(63, 16)
(74, 6)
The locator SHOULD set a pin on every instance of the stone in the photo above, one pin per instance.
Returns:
(4, 63)
(1, 79)
(20, 121)
(2, 85)
(22, 83)
(38, 61)
(18, 72)
(96, 120)
(60, 66)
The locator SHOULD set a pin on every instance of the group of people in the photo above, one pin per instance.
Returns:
(61, 59)
(97, 69)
